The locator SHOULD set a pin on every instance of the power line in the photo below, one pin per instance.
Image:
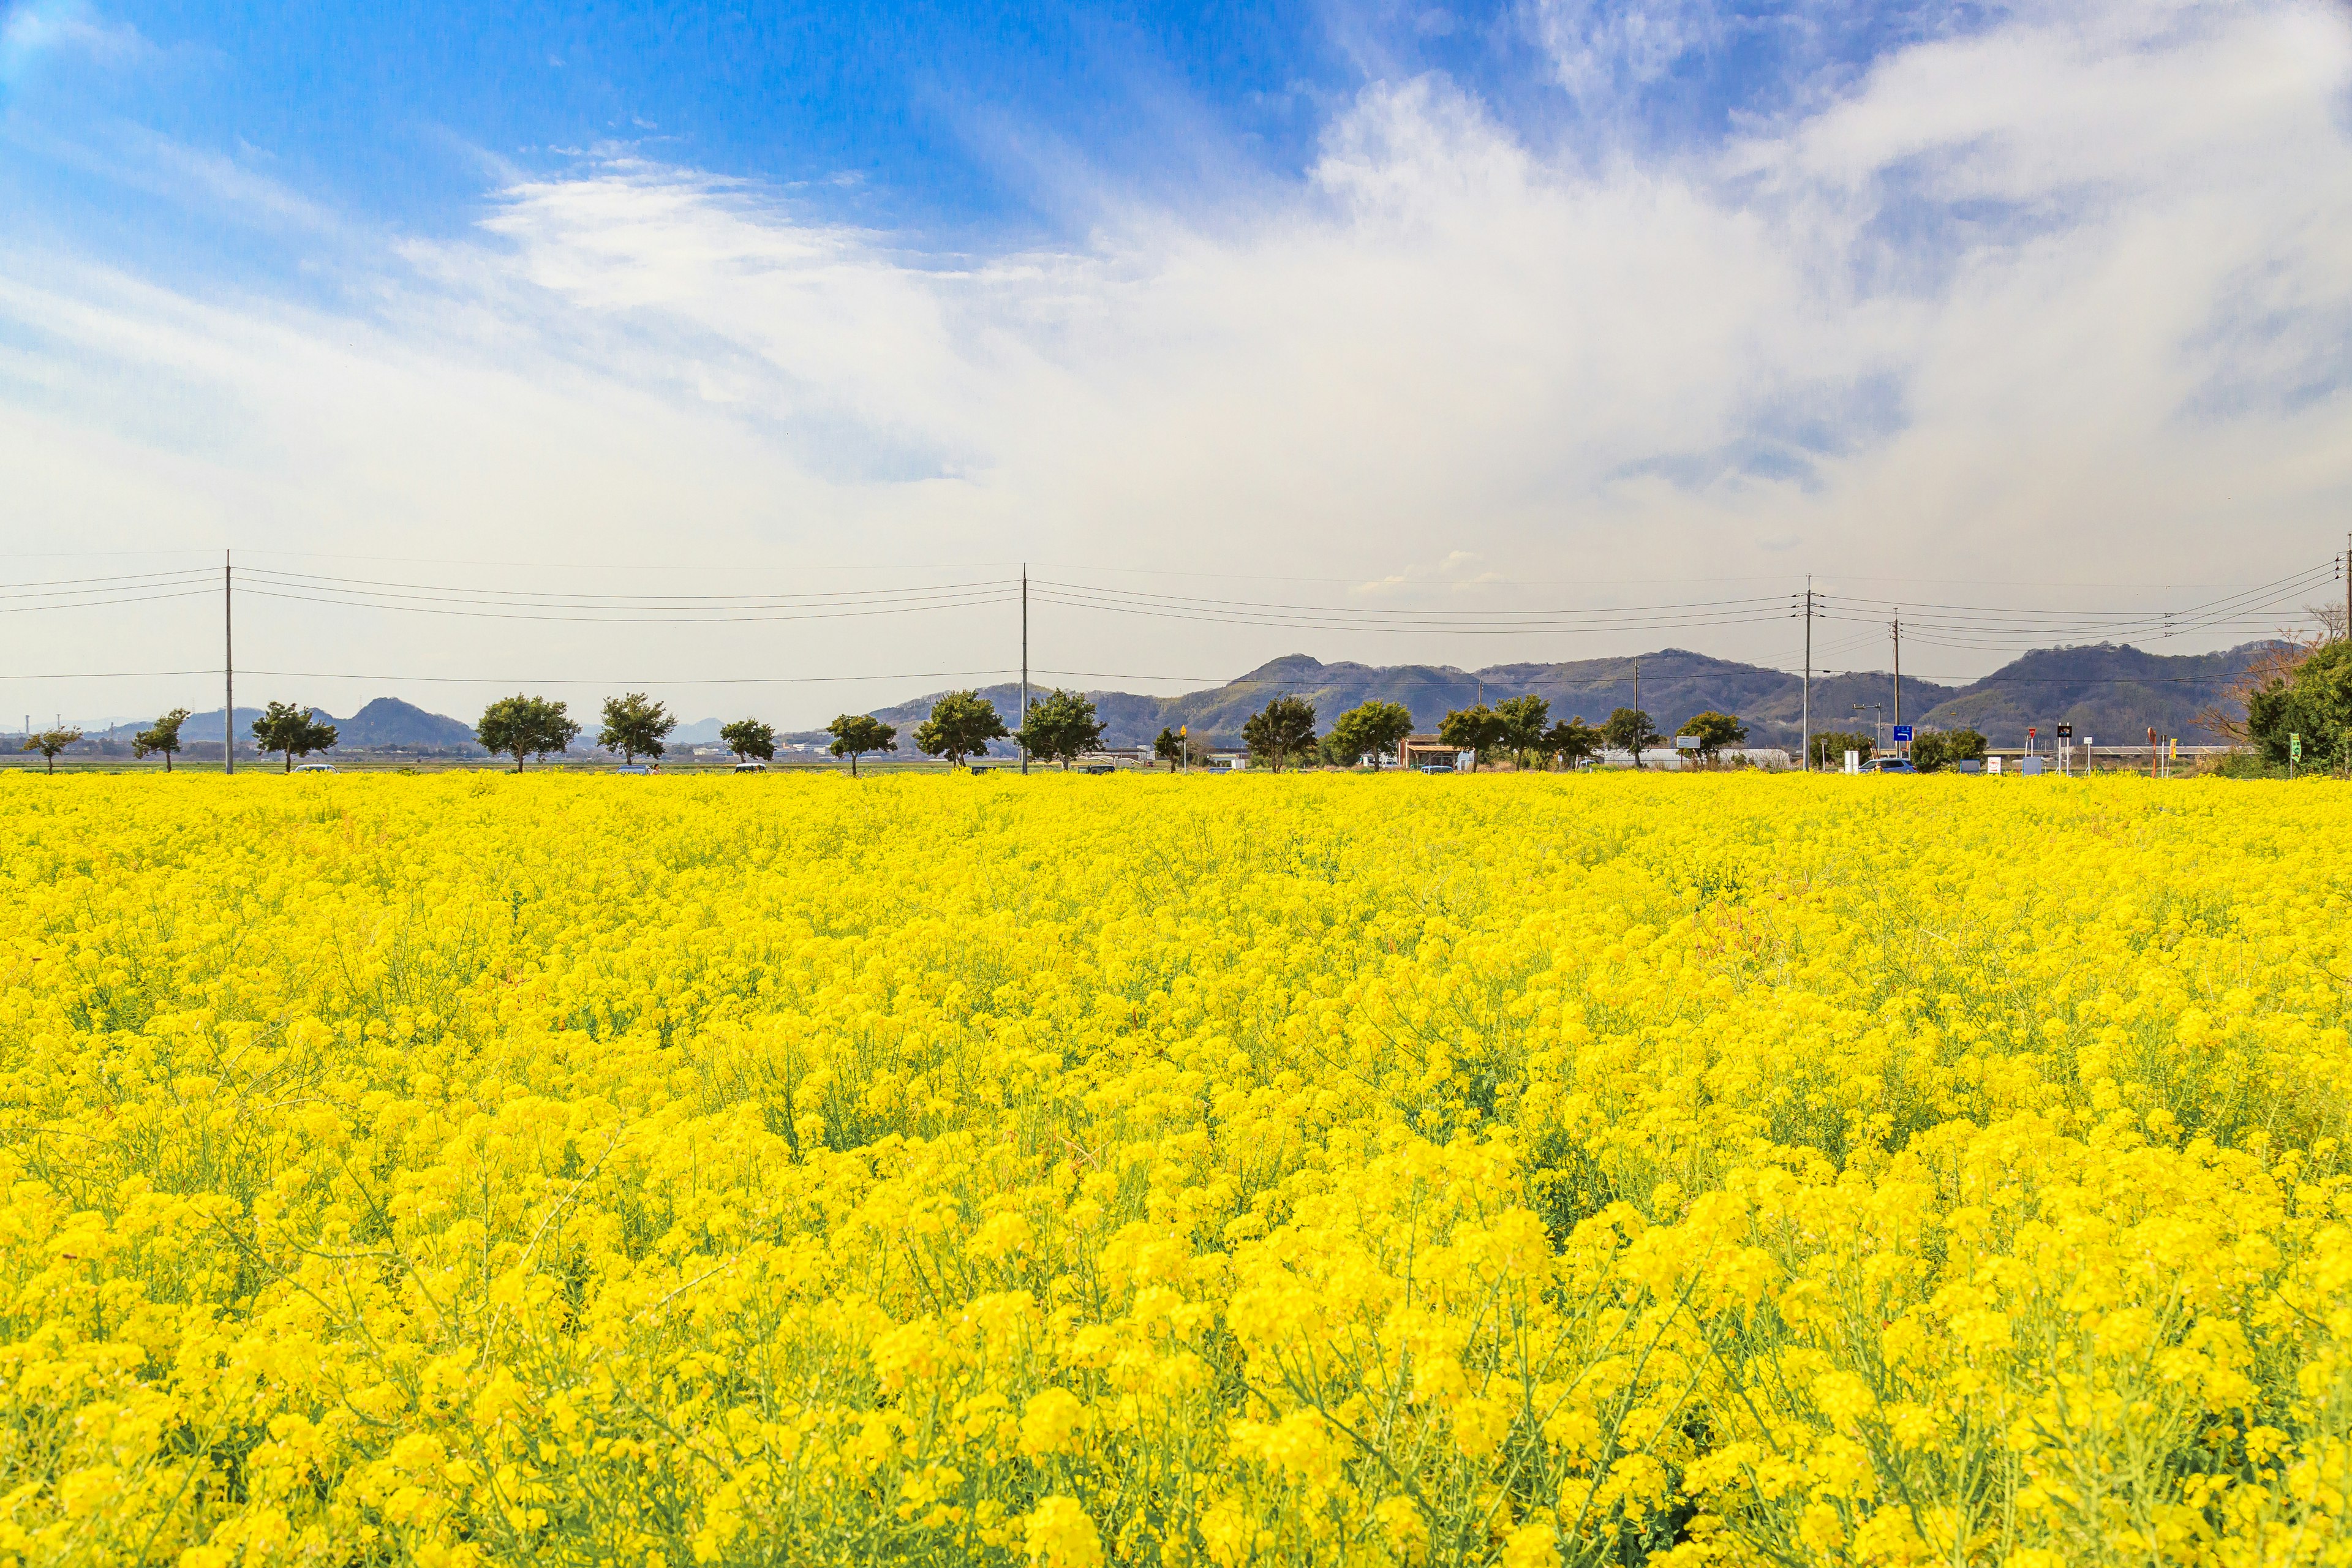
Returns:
(630, 618)
(478, 594)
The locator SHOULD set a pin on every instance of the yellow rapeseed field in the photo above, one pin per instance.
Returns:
(1061, 1171)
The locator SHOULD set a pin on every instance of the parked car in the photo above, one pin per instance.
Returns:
(751, 767)
(1889, 765)
(1097, 768)
(633, 768)
(1439, 768)
(314, 768)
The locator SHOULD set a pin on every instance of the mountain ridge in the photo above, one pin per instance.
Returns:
(2115, 689)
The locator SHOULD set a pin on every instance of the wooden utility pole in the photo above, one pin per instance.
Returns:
(1024, 666)
(1806, 709)
(229, 670)
(1899, 664)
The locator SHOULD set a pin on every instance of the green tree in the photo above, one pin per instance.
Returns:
(1829, 747)
(1373, 729)
(750, 740)
(1168, 746)
(1713, 732)
(165, 737)
(296, 731)
(1062, 726)
(1943, 748)
(1630, 729)
(521, 726)
(854, 734)
(1523, 720)
(50, 742)
(635, 726)
(1571, 741)
(1282, 730)
(1478, 729)
(962, 724)
(2313, 700)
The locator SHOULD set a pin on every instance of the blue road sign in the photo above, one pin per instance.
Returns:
(1902, 734)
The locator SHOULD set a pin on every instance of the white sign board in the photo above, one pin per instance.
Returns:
(1853, 762)
(1992, 766)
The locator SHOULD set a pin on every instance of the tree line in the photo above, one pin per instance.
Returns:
(1062, 726)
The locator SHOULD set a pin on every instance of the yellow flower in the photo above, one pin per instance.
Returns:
(1059, 1534)
(1049, 1422)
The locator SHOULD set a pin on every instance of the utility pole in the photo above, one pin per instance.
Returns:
(1899, 664)
(229, 672)
(1638, 725)
(1806, 709)
(1024, 666)
(2347, 586)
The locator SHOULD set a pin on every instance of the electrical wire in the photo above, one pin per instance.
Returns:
(632, 618)
(101, 603)
(371, 587)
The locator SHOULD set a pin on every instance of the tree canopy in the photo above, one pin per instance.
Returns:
(1168, 747)
(1062, 727)
(1713, 732)
(1571, 741)
(163, 737)
(854, 734)
(521, 726)
(292, 730)
(750, 740)
(2313, 700)
(1472, 729)
(962, 724)
(1630, 729)
(1522, 720)
(1373, 729)
(1942, 748)
(50, 742)
(635, 726)
(1282, 730)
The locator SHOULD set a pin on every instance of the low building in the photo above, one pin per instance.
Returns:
(1668, 760)
(1419, 750)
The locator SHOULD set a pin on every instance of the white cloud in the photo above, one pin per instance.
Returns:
(36, 27)
(2063, 299)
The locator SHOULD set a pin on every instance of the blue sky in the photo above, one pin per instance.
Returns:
(1437, 305)
(960, 124)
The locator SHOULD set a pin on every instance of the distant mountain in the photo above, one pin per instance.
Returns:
(389, 722)
(2113, 691)
(384, 724)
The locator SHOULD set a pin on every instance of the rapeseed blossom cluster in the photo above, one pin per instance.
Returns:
(1533, 1170)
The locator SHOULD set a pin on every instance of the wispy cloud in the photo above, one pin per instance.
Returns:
(33, 28)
